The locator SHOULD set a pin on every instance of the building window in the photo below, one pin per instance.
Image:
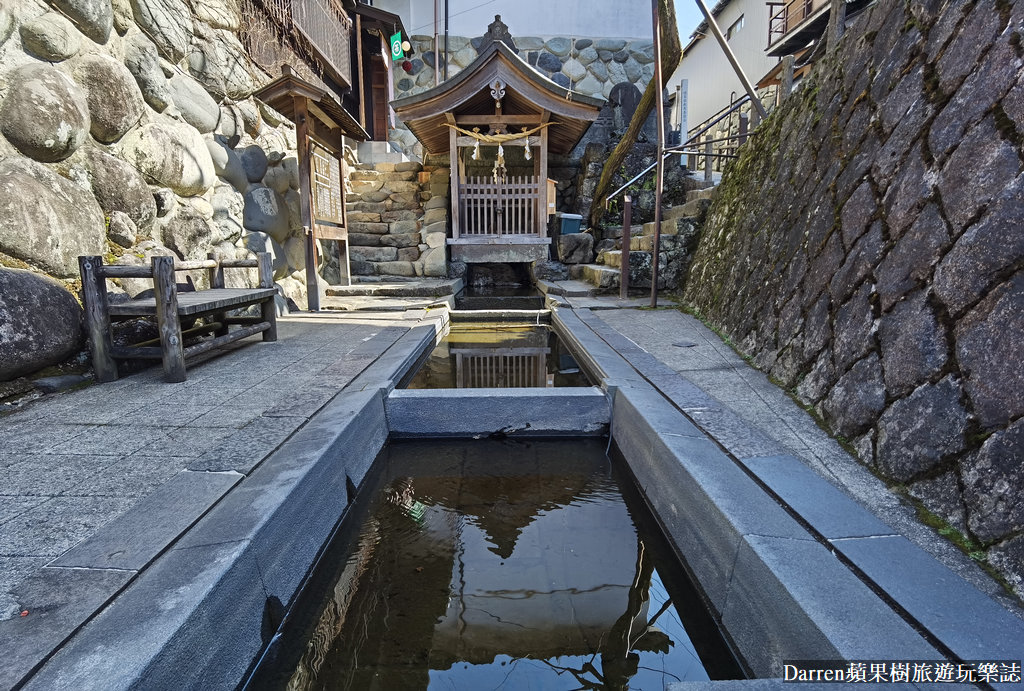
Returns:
(734, 28)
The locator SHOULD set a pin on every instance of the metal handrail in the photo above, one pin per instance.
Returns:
(679, 149)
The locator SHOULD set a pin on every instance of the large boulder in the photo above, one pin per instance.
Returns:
(171, 154)
(40, 323)
(432, 262)
(576, 248)
(119, 187)
(219, 14)
(143, 61)
(261, 242)
(188, 230)
(94, 18)
(115, 101)
(46, 220)
(266, 212)
(124, 19)
(228, 206)
(227, 163)
(254, 160)
(50, 37)
(221, 65)
(45, 114)
(168, 23)
(141, 255)
(197, 107)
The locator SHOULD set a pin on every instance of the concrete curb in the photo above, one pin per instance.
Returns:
(481, 413)
(778, 593)
(961, 619)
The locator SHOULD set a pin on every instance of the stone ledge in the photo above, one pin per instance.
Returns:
(481, 413)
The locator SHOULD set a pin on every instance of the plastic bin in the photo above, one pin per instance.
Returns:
(571, 223)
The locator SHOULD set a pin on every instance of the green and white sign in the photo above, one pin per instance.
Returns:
(396, 47)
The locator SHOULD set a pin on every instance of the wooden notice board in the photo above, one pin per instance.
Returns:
(328, 193)
(327, 196)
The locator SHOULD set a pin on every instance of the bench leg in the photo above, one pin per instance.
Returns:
(268, 308)
(167, 319)
(268, 312)
(97, 318)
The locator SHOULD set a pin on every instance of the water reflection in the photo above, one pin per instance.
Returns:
(500, 565)
(491, 355)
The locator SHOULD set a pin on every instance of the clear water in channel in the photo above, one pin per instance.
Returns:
(498, 355)
(499, 565)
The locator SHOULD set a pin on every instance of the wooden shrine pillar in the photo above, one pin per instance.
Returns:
(305, 204)
(454, 174)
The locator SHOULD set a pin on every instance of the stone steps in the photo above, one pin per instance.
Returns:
(571, 288)
(603, 278)
(706, 193)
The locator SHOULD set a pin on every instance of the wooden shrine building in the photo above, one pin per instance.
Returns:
(499, 119)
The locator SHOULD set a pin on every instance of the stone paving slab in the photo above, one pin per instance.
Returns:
(113, 473)
(136, 537)
(57, 601)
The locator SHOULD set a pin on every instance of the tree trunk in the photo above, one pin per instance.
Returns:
(671, 52)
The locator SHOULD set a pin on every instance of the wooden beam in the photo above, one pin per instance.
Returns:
(305, 201)
(464, 141)
(321, 115)
(542, 216)
(330, 139)
(97, 318)
(499, 120)
(359, 67)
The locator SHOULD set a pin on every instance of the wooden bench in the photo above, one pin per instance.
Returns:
(171, 308)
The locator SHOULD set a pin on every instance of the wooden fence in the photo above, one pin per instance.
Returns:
(512, 207)
(501, 367)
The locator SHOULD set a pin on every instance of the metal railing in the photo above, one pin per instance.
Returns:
(687, 146)
(792, 14)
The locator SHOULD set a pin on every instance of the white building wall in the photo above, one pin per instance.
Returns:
(544, 18)
(710, 77)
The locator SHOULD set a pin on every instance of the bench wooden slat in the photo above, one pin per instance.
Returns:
(137, 352)
(195, 303)
(230, 337)
(170, 308)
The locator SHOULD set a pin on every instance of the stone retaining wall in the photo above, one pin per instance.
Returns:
(866, 251)
(398, 224)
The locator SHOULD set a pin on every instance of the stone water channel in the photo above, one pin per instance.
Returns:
(778, 563)
(496, 562)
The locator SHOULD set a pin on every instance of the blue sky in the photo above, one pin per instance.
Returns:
(688, 16)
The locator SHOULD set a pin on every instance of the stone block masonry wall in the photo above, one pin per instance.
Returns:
(867, 251)
(397, 224)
